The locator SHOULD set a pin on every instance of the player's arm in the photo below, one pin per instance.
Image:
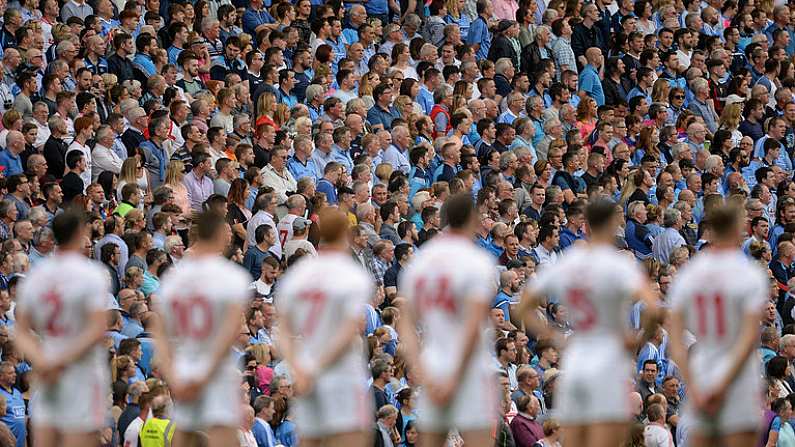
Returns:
(163, 349)
(676, 348)
(27, 341)
(650, 318)
(407, 329)
(527, 312)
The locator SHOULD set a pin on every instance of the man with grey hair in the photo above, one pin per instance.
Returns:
(670, 238)
(700, 105)
(397, 154)
(42, 244)
(103, 156)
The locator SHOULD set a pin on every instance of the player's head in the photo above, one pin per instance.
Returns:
(602, 217)
(333, 225)
(68, 229)
(726, 222)
(461, 212)
(212, 230)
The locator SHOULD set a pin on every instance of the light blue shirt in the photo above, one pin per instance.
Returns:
(591, 84)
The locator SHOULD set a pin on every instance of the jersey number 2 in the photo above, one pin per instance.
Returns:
(708, 307)
(582, 308)
(55, 305)
(193, 317)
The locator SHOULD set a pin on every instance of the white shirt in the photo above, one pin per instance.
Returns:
(85, 175)
(715, 291)
(104, 159)
(262, 217)
(606, 282)
(318, 296)
(132, 432)
(194, 305)
(282, 183)
(657, 436)
(447, 273)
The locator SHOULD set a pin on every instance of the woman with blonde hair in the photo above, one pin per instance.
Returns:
(366, 85)
(660, 90)
(586, 116)
(132, 171)
(730, 120)
(175, 171)
(303, 126)
(457, 15)
(404, 106)
(263, 374)
(647, 144)
(382, 173)
(281, 114)
(266, 105)
(122, 368)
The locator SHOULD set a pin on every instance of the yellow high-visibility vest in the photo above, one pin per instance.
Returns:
(157, 433)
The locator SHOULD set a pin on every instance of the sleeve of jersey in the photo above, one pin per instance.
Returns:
(98, 286)
(363, 289)
(757, 291)
(480, 279)
(677, 292)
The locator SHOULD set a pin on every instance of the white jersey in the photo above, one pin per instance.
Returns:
(285, 229)
(315, 295)
(195, 298)
(596, 284)
(59, 294)
(715, 291)
(442, 277)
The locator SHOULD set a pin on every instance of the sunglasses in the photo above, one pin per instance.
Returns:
(679, 97)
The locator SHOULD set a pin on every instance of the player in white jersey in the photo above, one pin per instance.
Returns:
(719, 296)
(321, 302)
(598, 285)
(63, 301)
(449, 285)
(202, 301)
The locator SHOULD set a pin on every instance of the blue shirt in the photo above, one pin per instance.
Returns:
(503, 301)
(15, 414)
(376, 7)
(11, 163)
(300, 170)
(145, 64)
(329, 190)
(376, 115)
(252, 19)
(479, 34)
(263, 433)
(425, 99)
(592, 85)
(173, 54)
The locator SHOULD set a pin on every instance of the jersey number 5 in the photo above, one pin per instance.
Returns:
(710, 307)
(437, 296)
(193, 317)
(582, 308)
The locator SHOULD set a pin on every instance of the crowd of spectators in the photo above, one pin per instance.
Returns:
(145, 113)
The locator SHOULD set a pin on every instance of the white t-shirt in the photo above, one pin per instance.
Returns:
(715, 291)
(657, 436)
(598, 299)
(60, 294)
(132, 432)
(195, 298)
(317, 296)
(447, 273)
(86, 175)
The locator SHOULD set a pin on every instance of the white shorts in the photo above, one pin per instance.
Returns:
(741, 410)
(336, 405)
(595, 386)
(76, 403)
(473, 407)
(217, 405)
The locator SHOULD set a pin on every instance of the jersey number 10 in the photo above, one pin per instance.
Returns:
(193, 317)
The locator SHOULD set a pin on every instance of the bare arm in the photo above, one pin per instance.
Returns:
(742, 349)
(27, 342)
(163, 348)
(650, 318)
(677, 348)
(527, 312)
(476, 311)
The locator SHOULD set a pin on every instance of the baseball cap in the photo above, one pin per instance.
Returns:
(300, 224)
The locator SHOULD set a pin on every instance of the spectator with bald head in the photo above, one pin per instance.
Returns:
(10, 160)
